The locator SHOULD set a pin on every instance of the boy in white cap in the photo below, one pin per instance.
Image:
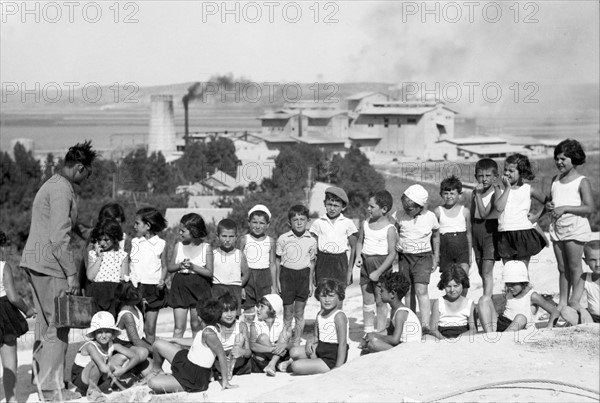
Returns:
(259, 250)
(520, 298)
(336, 234)
(417, 231)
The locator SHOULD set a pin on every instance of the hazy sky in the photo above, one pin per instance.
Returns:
(377, 41)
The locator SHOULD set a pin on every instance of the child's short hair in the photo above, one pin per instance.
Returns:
(81, 153)
(209, 311)
(329, 285)
(126, 293)
(454, 272)
(523, 166)
(383, 198)
(228, 302)
(486, 163)
(395, 282)
(591, 246)
(450, 184)
(271, 313)
(571, 149)
(298, 209)
(110, 228)
(226, 224)
(112, 211)
(153, 218)
(195, 224)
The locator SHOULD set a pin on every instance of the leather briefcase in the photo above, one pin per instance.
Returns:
(73, 311)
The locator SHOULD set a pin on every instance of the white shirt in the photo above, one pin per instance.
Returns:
(375, 242)
(146, 264)
(457, 223)
(200, 354)
(332, 237)
(415, 232)
(227, 267)
(258, 253)
(592, 288)
(296, 252)
(514, 216)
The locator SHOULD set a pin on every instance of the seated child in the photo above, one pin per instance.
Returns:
(331, 331)
(404, 324)
(453, 314)
(191, 369)
(234, 338)
(575, 313)
(520, 297)
(269, 338)
(93, 363)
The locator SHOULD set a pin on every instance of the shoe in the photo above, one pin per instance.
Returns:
(61, 395)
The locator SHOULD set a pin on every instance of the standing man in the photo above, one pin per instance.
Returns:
(49, 260)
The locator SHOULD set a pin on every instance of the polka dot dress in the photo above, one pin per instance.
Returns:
(110, 269)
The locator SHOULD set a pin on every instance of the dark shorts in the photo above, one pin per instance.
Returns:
(81, 386)
(295, 285)
(328, 352)
(234, 290)
(416, 266)
(192, 377)
(503, 323)
(155, 297)
(520, 245)
(103, 293)
(484, 234)
(187, 289)
(452, 332)
(332, 265)
(370, 263)
(243, 366)
(454, 248)
(595, 318)
(259, 361)
(259, 284)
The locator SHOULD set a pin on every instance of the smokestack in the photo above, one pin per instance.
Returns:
(162, 125)
(192, 94)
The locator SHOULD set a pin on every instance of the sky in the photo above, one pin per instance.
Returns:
(159, 42)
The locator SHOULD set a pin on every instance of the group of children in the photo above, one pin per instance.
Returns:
(247, 296)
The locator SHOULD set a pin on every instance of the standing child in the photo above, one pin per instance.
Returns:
(259, 250)
(455, 227)
(107, 265)
(571, 200)
(331, 331)
(575, 313)
(269, 338)
(484, 222)
(148, 264)
(453, 314)
(404, 324)
(417, 247)
(235, 339)
(95, 362)
(191, 369)
(296, 253)
(231, 271)
(520, 299)
(336, 234)
(12, 326)
(192, 262)
(375, 251)
(518, 240)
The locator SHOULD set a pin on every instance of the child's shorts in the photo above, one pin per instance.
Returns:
(503, 323)
(370, 263)
(155, 297)
(234, 290)
(187, 289)
(416, 266)
(81, 386)
(259, 361)
(13, 325)
(452, 332)
(328, 352)
(454, 248)
(192, 377)
(295, 285)
(103, 293)
(595, 318)
(242, 366)
(484, 234)
(259, 284)
(520, 245)
(332, 265)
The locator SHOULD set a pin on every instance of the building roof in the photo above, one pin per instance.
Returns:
(411, 111)
(323, 114)
(275, 138)
(491, 150)
(318, 138)
(476, 140)
(550, 143)
(522, 140)
(360, 95)
(359, 135)
(280, 114)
